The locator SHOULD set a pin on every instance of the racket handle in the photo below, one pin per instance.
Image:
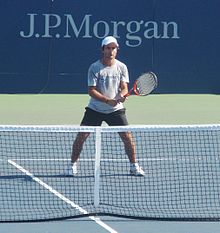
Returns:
(129, 93)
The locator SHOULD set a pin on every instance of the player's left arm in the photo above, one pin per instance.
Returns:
(123, 92)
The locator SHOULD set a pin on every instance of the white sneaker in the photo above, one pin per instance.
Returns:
(71, 169)
(74, 168)
(136, 170)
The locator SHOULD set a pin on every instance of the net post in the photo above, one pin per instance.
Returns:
(97, 165)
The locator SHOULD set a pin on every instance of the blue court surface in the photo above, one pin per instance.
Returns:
(35, 186)
(99, 224)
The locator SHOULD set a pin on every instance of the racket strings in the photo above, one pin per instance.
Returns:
(145, 84)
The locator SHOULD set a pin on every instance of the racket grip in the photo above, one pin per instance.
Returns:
(129, 93)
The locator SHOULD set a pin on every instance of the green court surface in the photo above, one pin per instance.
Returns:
(58, 109)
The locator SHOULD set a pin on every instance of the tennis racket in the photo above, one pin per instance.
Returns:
(144, 84)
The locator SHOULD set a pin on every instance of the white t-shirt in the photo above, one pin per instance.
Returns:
(107, 79)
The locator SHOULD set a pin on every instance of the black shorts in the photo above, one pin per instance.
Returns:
(93, 118)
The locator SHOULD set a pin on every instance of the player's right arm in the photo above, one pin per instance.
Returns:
(99, 96)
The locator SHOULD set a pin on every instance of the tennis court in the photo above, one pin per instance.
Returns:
(46, 49)
(68, 110)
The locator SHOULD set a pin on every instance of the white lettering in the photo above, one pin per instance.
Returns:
(173, 30)
(58, 26)
(97, 27)
(152, 30)
(116, 27)
(31, 27)
(48, 25)
(85, 23)
(133, 27)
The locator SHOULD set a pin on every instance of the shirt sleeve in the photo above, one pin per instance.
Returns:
(92, 79)
(125, 74)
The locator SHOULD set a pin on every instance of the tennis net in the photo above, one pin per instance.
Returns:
(182, 180)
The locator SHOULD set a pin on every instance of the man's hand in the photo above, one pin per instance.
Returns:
(112, 102)
(121, 98)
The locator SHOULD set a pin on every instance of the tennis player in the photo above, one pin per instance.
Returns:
(107, 84)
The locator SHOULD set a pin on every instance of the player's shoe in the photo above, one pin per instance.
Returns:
(74, 169)
(136, 170)
(71, 170)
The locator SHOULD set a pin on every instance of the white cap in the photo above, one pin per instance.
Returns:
(109, 39)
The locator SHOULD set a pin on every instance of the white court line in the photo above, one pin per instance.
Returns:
(61, 196)
(117, 159)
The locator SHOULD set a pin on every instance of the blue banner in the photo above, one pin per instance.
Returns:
(46, 46)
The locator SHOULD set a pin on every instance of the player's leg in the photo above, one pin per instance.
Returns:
(129, 144)
(119, 118)
(130, 149)
(78, 145)
(90, 118)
